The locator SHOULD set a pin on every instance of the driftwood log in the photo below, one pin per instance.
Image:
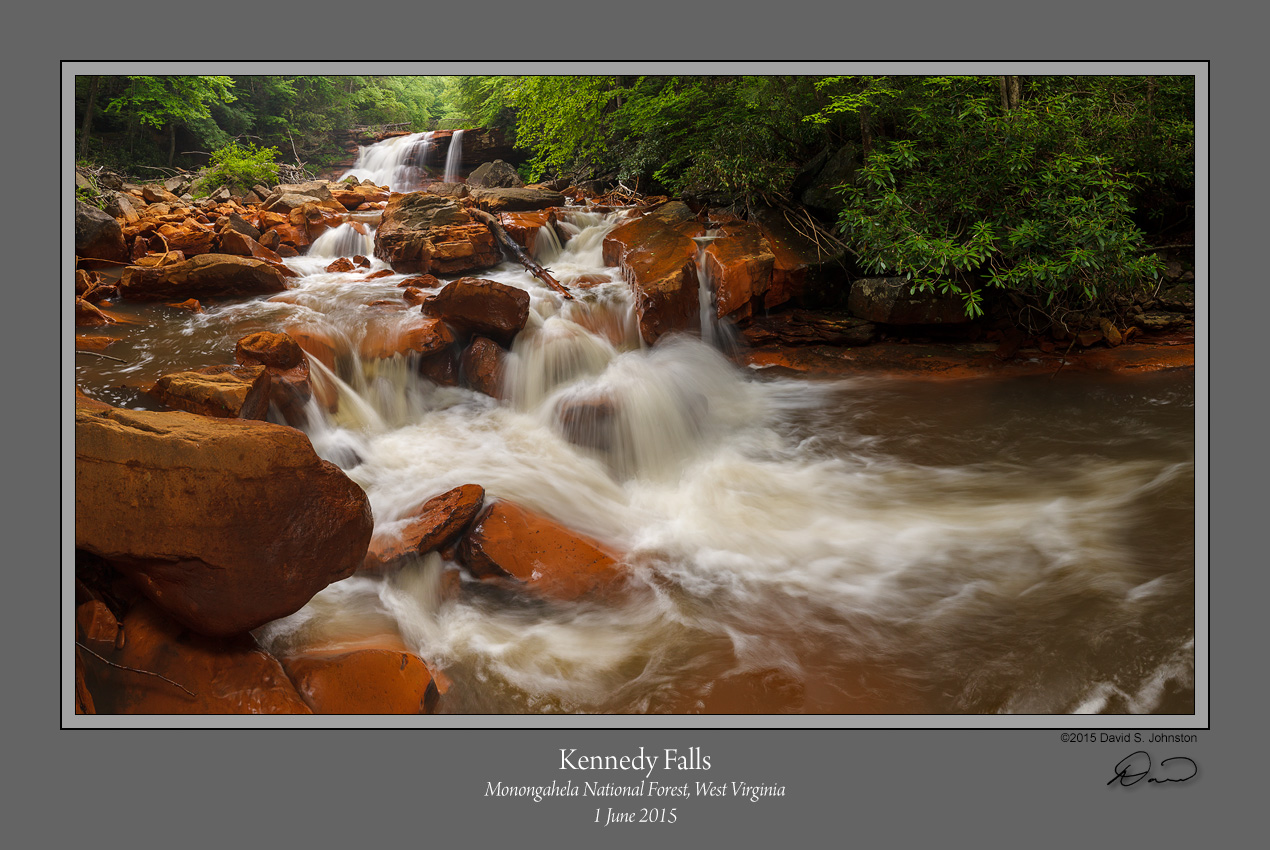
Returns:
(519, 253)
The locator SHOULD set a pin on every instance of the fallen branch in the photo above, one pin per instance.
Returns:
(99, 354)
(516, 251)
(135, 670)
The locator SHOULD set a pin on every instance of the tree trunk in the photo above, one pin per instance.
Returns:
(171, 143)
(1011, 92)
(866, 129)
(88, 116)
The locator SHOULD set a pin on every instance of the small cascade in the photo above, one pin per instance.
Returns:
(454, 157)
(705, 290)
(348, 240)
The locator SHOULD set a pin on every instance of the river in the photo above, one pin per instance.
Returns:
(861, 545)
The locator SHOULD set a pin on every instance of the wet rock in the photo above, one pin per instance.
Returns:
(588, 421)
(739, 266)
(422, 337)
(287, 202)
(97, 235)
(286, 366)
(363, 681)
(657, 258)
(437, 523)
(482, 366)
(1110, 332)
(422, 233)
(481, 307)
(222, 675)
(888, 301)
(228, 392)
(442, 368)
(509, 541)
(226, 524)
(343, 264)
(202, 277)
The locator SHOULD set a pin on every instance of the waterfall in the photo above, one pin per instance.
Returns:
(348, 240)
(399, 163)
(453, 157)
(705, 292)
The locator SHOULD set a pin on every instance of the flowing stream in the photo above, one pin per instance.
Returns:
(826, 547)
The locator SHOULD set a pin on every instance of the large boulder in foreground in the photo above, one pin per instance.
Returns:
(658, 258)
(97, 235)
(202, 277)
(226, 524)
(192, 673)
(423, 233)
(509, 541)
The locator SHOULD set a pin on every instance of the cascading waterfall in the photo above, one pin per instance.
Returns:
(793, 545)
(347, 240)
(705, 291)
(398, 163)
(454, 157)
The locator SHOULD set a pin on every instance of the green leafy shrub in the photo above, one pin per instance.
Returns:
(1029, 199)
(239, 167)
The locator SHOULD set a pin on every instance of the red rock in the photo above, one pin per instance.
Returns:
(380, 273)
(413, 296)
(364, 681)
(89, 316)
(507, 540)
(189, 238)
(441, 368)
(226, 524)
(289, 385)
(225, 675)
(422, 233)
(739, 265)
(205, 276)
(358, 259)
(317, 343)
(167, 258)
(190, 304)
(658, 258)
(275, 350)
(157, 195)
(228, 392)
(242, 245)
(523, 227)
(486, 307)
(482, 366)
(427, 281)
(424, 336)
(437, 523)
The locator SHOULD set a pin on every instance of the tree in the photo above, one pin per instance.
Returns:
(169, 102)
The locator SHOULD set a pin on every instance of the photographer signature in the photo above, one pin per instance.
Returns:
(1132, 768)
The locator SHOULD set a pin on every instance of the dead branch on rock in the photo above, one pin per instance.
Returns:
(135, 670)
(814, 232)
(519, 253)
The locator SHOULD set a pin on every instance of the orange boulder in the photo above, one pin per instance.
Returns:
(507, 540)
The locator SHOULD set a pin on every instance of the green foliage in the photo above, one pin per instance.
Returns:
(240, 167)
(1036, 200)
